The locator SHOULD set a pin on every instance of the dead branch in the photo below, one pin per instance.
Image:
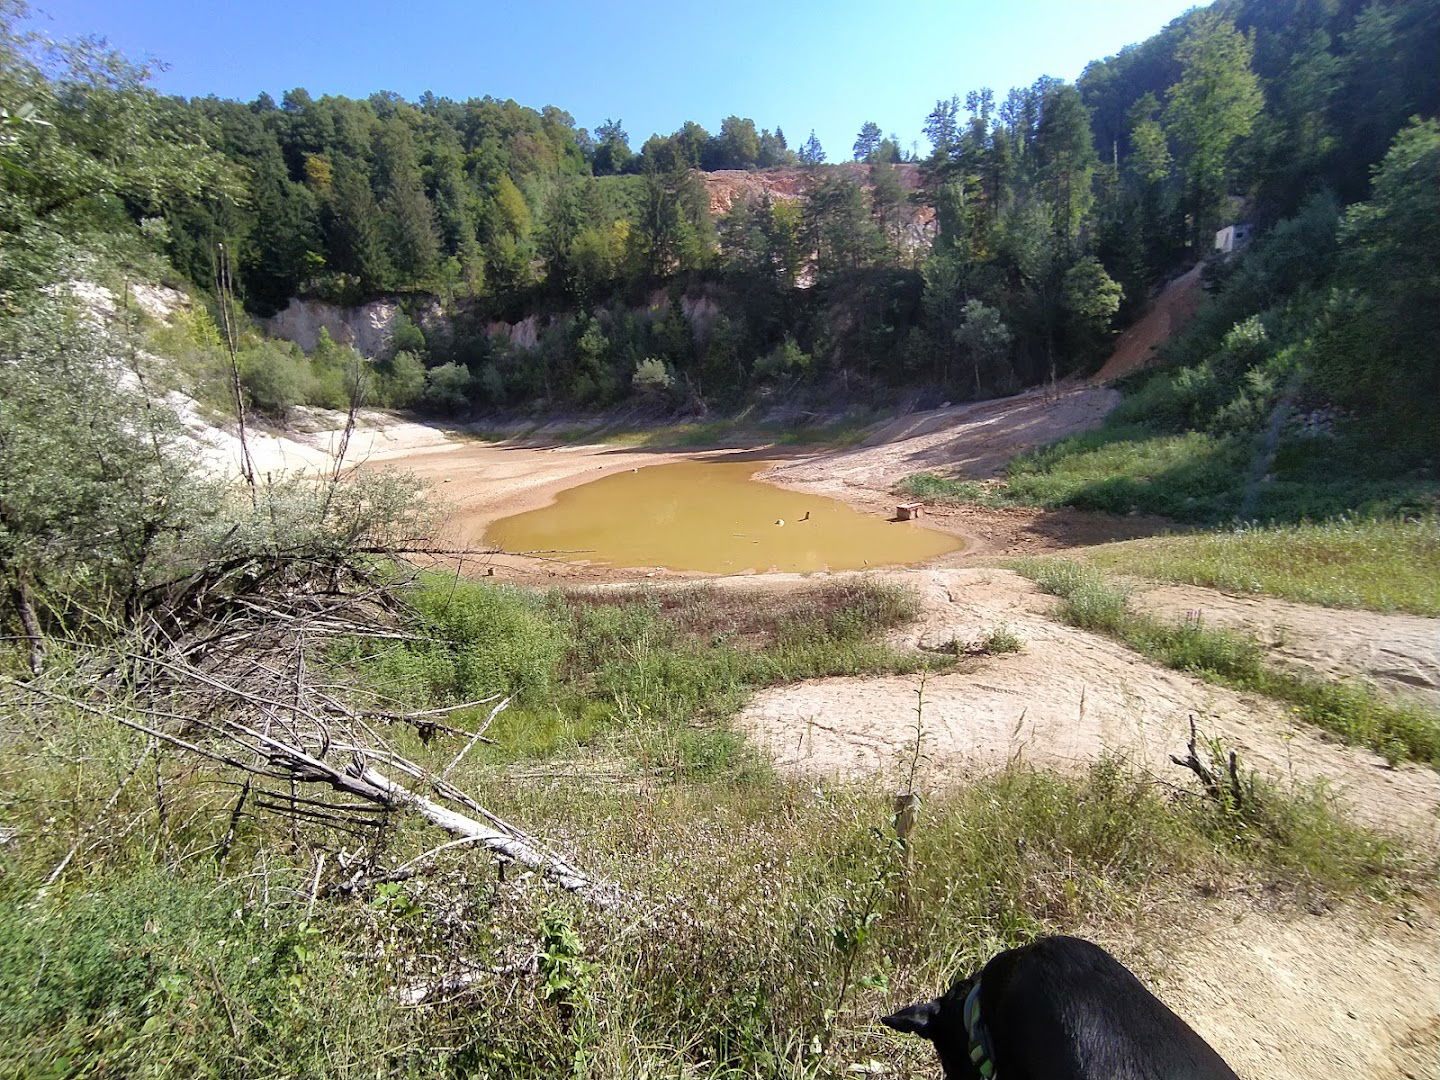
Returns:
(1207, 776)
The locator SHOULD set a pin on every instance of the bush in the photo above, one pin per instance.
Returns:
(402, 381)
(275, 378)
(447, 388)
(652, 377)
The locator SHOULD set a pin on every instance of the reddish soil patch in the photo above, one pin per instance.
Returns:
(1173, 308)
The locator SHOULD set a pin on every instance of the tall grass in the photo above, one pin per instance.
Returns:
(1351, 563)
(666, 665)
(771, 924)
(938, 488)
(1089, 600)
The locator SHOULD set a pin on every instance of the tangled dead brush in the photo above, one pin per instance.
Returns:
(217, 661)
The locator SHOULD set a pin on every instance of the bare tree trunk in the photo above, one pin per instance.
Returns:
(20, 596)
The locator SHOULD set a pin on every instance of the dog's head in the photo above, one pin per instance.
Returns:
(942, 1021)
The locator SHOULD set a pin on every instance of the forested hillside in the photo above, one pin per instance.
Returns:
(1057, 209)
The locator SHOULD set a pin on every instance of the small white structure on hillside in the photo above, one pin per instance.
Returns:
(1233, 237)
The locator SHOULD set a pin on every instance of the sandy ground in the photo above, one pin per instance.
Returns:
(1067, 698)
(1346, 994)
(1399, 654)
(973, 440)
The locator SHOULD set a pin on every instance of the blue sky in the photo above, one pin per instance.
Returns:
(823, 64)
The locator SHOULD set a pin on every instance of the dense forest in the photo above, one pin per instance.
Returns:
(1057, 209)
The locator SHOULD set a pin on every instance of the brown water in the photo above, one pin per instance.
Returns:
(712, 516)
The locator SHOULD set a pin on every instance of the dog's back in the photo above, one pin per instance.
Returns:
(1062, 1009)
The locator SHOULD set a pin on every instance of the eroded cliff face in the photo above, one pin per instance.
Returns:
(727, 186)
(368, 327)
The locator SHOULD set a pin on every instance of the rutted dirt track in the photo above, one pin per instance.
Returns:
(1067, 698)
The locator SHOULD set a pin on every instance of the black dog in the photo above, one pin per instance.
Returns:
(1058, 1009)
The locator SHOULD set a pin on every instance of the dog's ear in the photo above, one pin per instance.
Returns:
(917, 1019)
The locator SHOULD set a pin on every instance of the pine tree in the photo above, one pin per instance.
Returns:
(409, 217)
(352, 230)
(812, 153)
(867, 143)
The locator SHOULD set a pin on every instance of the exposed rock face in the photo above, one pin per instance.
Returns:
(100, 304)
(368, 327)
(728, 185)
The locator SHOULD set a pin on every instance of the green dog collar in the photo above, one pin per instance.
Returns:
(979, 1037)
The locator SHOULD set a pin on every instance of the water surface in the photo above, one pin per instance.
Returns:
(712, 516)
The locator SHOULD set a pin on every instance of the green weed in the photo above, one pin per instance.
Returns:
(1389, 565)
(667, 665)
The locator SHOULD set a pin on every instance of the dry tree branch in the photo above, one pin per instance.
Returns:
(1212, 784)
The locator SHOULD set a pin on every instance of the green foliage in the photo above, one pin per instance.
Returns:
(274, 378)
(402, 381)
(96, 484)
(1297, 320)
(652, 377)
(984, 338)
(997, 642)
(786, 361)
(936, 488)
(1211, 108)
(447, 389)
(647, 665)
(147, 973)
(1379, 352)
(1350, 563)
(1091, 299)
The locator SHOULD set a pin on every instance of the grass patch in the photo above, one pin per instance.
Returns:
(937, 488)
(667, 666)
(1375, 565)
(1398, 730)
(1208, 478)
(795, 935)
(997, 642)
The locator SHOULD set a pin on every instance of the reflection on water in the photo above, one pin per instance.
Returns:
(711, 516)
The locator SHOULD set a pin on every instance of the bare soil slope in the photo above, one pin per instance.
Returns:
(1399, 654)
(974, 440)
(1066, 699)
(1172, 309)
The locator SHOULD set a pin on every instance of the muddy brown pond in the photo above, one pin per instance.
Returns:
(712, 516)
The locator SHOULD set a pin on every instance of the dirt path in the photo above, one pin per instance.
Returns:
(1399, 654)
(974, 440)
(1173, 308)
(1066, 699)
(1337, 995)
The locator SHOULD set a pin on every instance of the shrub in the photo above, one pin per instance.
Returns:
(652, 377)
(447, 388)
(402, 381)
(275, 379)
